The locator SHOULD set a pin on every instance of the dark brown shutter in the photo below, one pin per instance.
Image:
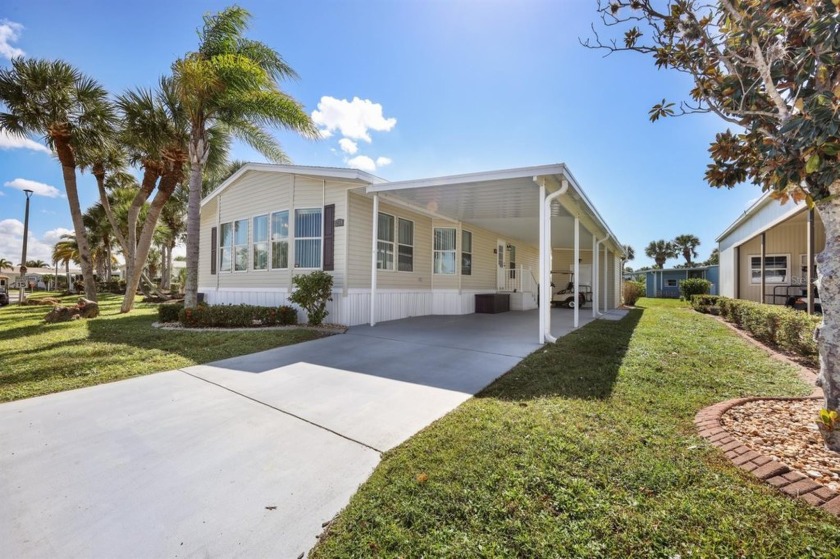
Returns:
(329, 238)
(214, 242)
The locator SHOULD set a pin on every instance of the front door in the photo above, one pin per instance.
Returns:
(501, 265)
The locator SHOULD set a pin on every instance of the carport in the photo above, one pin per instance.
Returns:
(543, 206)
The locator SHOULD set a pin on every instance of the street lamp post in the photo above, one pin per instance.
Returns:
(22, 297)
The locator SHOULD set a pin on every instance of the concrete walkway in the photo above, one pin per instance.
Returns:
(242, 457)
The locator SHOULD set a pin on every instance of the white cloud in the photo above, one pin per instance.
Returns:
(348, 146)
(7, 141)
(11, 243)
(54, 235)
(354, 119)
(363, 163)
(382, 161)
(38, 188)
(10, 33)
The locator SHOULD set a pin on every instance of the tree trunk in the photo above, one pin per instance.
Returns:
(828, 283)
(166, 187)
(68, 170)
(198, 157)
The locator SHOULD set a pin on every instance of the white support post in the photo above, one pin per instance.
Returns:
(545, 286)
(606, 278)
(374, 242)
(595, 277)
(577, 271)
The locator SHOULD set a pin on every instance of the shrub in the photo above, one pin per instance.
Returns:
(783, 327)
(694, 286)
(312, 291)
(632, 290)
(705, 303)
(234, 316)
(169, 312)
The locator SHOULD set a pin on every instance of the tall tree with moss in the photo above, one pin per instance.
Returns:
(71, 112)
(231, 82)
(772, 71)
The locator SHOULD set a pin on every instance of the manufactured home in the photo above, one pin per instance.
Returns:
(408, 248)
(666, 283)
(767, 254)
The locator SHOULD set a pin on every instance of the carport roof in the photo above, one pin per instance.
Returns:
(504, 201)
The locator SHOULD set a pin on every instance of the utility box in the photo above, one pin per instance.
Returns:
(492, 303)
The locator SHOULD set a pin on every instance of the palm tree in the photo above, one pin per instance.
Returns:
(714, 258)
(629, 254)
(174, 219)
(36, 264)
(71, 112)
(231, 82)
(65, 251)
(687, 246)
(660, 251)
(6, 265)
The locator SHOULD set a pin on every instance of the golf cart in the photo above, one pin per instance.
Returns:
(566, 297)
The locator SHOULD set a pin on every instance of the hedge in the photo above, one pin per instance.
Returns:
(236, 316)
(168, 312)
(694, 286)
(783, 327)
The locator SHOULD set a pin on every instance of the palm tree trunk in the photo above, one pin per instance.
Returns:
(828, 283)
(68, 170)
(166, 187)
(198, 157)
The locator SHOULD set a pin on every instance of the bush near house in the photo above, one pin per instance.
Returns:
(694, 286)
(312, 291)
(169, 312)
(783, 327)
(632, 291)
(234, 316)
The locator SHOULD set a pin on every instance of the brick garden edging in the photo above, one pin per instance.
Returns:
(789, 481)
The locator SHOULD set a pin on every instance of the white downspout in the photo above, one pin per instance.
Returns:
(374, 239)
(545, 259)
(577, 272)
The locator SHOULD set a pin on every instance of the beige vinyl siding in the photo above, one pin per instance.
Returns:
(208, 221)
(257, 193)
(484, 264)
(360, 248)
(789, 238)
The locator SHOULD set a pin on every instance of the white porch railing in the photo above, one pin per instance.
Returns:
(520, 280)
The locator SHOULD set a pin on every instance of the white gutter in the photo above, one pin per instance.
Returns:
(545, 258)
(374, 242)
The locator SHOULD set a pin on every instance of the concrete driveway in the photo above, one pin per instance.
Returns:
(243, 457)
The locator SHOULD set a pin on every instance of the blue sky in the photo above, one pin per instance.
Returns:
(440, 87)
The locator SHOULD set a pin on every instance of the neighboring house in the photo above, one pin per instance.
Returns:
(767, 251)
(36, 278)
(666, 283)
(439, 241)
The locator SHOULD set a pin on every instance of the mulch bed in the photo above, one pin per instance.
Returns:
(777, 439)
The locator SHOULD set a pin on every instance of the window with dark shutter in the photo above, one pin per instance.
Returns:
(329, 238)
(213, 247)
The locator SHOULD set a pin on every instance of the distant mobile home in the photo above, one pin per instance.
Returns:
(438, 242)
(666, 283)
(767, 254)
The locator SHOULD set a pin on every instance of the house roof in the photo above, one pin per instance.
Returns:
(341, 173)
(505, 201)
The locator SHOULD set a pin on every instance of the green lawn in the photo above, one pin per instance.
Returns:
(587, 449)
(38, 358)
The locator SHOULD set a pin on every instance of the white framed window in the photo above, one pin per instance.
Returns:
(776, 269)
(225, 244)
(444, 250)
(670, 283)
(466, 253)
(240, 245)
(385, 242)
(280, 240)
(405, 246)
(259, 244)
(308, 228)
